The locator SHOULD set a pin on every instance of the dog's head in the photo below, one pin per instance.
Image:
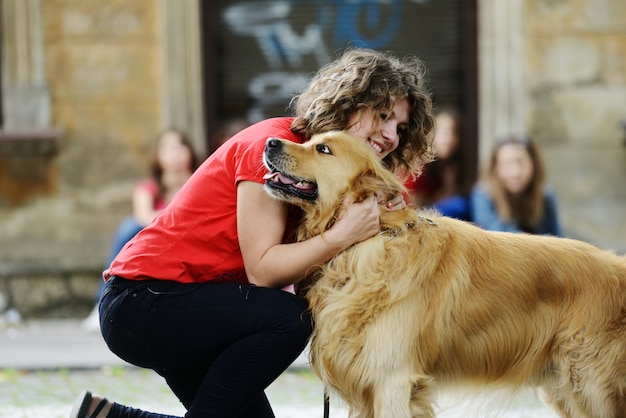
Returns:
(319, 174)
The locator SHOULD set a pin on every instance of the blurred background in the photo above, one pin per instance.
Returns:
(87, 84)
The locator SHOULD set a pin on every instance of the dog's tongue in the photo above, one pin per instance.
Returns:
(281, 178)
(276, 176)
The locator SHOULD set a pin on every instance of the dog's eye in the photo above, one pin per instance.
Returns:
(323, 148)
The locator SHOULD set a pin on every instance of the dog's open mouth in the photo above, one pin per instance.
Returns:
(300, 188)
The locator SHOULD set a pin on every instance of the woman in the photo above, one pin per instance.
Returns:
(196, 296)
(173, 164)
(443, 185)
(513, 197)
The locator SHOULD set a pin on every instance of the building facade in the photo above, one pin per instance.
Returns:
(86, 85)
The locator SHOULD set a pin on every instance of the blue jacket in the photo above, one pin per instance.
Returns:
(484, 213)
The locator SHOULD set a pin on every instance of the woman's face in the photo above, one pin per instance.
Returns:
(446, 140)
(381, 131)
(514, 167)
(173, 154)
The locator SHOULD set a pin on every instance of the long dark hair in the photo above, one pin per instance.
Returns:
(526, 209)
(435, 170)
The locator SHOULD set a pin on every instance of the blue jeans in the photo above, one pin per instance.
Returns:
(126, 230)
(218, 345)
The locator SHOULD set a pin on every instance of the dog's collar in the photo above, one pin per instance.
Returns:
(427, 220)
(394, 232)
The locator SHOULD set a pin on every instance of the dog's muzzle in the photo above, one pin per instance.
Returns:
(278, 181)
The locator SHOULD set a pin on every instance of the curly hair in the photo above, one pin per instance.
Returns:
(362, 79)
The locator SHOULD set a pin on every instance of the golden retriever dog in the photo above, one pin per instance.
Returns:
(432, 301)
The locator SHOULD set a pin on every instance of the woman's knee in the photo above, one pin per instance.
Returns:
(302, 323)
(292, 313)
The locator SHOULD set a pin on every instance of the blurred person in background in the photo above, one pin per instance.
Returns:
(174, 162)
(513, 195)
(442, 184)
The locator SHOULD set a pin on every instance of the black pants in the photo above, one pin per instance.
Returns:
(218, 345)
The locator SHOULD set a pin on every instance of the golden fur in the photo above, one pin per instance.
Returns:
(433, 300)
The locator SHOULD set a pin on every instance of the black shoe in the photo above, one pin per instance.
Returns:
(82, 404)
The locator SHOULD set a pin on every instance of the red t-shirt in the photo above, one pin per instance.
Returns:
(424, 184)
(195, 238)
(152, 188)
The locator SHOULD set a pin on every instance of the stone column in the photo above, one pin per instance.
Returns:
(182, 65)
(502, 92)
(25, 94)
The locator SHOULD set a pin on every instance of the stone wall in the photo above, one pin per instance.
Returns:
(86, 87)
(555, 70)
(575, 73)
(47, 290)
(102, 62)
(111, 74)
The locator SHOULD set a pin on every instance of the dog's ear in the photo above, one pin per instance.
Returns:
(381, 182)
(363, 186)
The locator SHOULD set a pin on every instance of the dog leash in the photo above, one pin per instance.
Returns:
(326, 404)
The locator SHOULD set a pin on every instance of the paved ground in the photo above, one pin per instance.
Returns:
(44, 365)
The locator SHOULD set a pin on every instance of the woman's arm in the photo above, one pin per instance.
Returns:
(261, 222)
(143, 205)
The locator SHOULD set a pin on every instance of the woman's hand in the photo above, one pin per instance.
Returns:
(396, 203)
(357, 221)
(261, 223)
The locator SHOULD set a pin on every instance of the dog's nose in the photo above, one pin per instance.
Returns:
(272, 144)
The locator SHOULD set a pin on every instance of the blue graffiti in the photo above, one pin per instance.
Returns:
(367, 23)
(284, 45)
(268, 22)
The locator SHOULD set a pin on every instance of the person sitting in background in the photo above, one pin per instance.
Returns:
(173, 164)
(513, 195)
(441, 184)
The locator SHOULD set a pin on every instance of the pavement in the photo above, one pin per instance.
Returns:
(45, 364)
(54, 344)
